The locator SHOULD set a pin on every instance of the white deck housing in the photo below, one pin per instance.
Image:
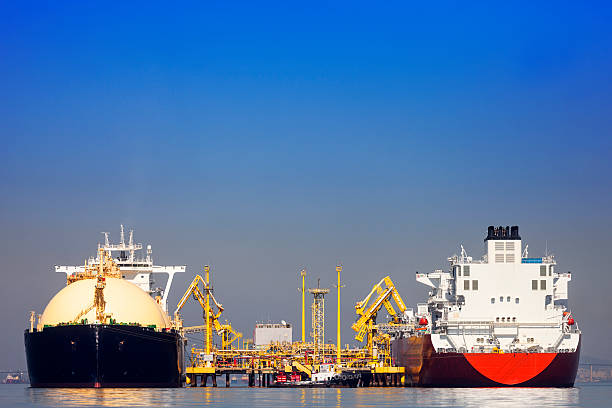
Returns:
(139, 271)
(505, 300)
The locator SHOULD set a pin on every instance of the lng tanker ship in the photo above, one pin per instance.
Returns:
(499, 321)
(108, 327)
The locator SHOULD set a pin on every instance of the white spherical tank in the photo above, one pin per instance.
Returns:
(125, 302)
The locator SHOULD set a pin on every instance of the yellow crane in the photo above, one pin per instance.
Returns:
(227, 333)
(211, 318)
(366, 321)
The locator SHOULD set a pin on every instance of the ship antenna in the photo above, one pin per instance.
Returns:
(463, 254)
(122, 237)
(131, 244)
(105, 238)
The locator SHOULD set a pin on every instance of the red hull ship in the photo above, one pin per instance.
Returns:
(425, 367)
(499, 321)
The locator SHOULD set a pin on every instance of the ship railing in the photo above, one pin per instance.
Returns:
(122, 247)
(385, 327)
(491, 323)
(458, 323)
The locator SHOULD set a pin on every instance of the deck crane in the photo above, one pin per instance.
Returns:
(366, 322)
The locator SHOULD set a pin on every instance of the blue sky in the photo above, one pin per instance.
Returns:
(266, 137)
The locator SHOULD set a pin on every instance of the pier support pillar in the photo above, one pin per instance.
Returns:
(204, 380)
(227, 380)
(251, 379)
(214, 380)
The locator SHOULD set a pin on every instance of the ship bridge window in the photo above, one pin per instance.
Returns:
(458, 269)
(466, 285)
(508, 299)
(542, 284)
(550, 270)
(497, 319)
(503, 319)
(492, 300)
(542, 270)
(474, 285)
(466, 270)
(516, 301)
(501, 298)
(534, 284)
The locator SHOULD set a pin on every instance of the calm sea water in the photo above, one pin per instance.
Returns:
(582, 395)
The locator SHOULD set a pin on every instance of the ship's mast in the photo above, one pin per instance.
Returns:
(137, 271)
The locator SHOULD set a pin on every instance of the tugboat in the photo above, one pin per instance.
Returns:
(500, 321)
(107, 327)
(324, 377)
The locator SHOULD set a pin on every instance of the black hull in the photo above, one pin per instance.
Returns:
(427, 368)
(97, 356)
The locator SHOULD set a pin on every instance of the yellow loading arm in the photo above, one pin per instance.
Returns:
(194, 290)
(228, 335)
(225, 331)
(368, 314)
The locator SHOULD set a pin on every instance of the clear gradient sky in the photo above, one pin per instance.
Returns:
(262, 138)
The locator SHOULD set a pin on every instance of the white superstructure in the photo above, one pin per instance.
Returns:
(133, 269)
(505, 301)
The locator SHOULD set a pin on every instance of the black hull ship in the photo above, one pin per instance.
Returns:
(106, 328)
(103, 356)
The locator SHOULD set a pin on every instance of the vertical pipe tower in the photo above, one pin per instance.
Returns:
(338, 270)
(208, 317)
(318, 318)
(303, 273)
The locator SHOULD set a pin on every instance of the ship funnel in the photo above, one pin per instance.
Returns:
(491, 232)
(514, 232)
(502, 233)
